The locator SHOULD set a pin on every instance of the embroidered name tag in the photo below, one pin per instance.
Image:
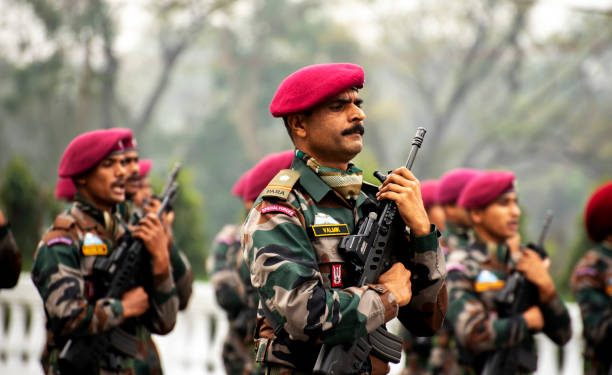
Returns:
(93, 245)
(325, 230)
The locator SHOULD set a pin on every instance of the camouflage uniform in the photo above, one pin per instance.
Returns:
(475, 276)
(290, 238)
(455, 237)
(10, 258)
(592, 285)
(63, 275)
(234, 293)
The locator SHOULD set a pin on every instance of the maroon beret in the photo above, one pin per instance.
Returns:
(452, 182)
(312, 85)
(86, 150)
(598, 213)
(429, 192)
(144, 167)
(260, 175)
(65, 189)
(485, 188)
(239, 185)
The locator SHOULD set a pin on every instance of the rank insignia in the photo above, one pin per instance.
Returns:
(93, 245)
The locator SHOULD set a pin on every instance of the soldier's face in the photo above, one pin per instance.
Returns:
(333, 132)
(133, 172)
(498, 221)
(457, 215)
(104, 186)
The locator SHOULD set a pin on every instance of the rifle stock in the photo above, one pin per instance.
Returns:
(369, 252)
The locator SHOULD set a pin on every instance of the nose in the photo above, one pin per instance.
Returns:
(120, 170)
(357, 114)
(516, 210)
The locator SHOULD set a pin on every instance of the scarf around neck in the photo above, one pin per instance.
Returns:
(346, 183)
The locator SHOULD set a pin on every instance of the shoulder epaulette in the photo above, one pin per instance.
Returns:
(280, 186)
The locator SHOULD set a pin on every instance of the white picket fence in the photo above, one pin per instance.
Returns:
(194, 346)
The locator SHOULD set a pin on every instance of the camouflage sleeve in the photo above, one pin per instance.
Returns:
(425, 313)
(595, 305)
(57, 276)
(229, 287)
(10, 258)
(557, 323)
(164, 303)
(182, 275)
(476, 328)
(285, 272)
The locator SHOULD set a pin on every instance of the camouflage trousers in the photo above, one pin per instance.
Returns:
(239, 356)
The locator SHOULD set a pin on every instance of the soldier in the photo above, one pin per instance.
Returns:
(90, 228)
(10, 256)
(292, 232)
(418, 349)
(457, 232)
(592, 283)
(230, 273)
(477, 274)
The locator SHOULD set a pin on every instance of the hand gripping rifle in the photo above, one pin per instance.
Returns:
(517, 296)
(369, 252)
(116, 274)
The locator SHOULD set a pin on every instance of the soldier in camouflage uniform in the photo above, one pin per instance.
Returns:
(457, 233)
(10, 256)
(592, 283)
(290, 237)
(230, 273)
(478, 273)
(90, 228)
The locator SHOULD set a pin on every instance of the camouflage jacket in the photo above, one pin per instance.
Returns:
(232, 282)
(475, 277)
(63, 275)
(10, 258)
(456, 237)
(592, 285)
(290, 239)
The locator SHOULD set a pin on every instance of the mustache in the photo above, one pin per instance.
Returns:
(118, 183)
(357, 128)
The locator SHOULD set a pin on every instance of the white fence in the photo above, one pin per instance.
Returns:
(194, 346)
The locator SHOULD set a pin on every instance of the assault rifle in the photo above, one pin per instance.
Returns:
(369, 252)
(517, 296)
(123, 270)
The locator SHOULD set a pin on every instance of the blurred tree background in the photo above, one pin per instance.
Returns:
(520, 85)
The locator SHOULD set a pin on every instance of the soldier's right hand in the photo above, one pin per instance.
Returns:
(534, 318)
(397, 280)
(135, 302)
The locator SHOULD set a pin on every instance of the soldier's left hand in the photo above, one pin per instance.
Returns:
(152, 233)
(402, 187)
(153, 206)
(536, 271)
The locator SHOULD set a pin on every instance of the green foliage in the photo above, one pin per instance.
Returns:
(189, 223)
(23, 206)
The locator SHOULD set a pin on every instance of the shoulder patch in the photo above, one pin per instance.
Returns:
(63, 240)
(278, 208)
(280, 186)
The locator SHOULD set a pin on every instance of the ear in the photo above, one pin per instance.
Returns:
(476, 216)
(297, 125)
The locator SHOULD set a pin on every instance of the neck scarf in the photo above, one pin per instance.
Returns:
(346, 183)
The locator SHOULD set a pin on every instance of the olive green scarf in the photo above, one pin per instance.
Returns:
(346, 183)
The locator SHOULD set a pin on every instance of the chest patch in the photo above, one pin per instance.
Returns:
(487, 281)
(336, 275)
(609, 286)
(326, 230)
(93, 245)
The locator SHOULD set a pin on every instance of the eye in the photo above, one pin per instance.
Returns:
(336, 106)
